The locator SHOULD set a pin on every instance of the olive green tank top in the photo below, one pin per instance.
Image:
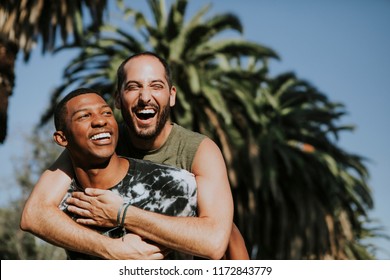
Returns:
(179, 150)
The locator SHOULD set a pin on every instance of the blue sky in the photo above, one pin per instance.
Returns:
(341, 47)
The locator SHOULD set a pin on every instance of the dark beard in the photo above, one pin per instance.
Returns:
(161, 121)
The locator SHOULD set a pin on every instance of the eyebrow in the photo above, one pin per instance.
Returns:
(139, 83)
(88, 108)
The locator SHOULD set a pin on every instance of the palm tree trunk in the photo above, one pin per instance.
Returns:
(8, 52)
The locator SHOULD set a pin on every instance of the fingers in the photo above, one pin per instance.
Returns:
(79, 203)
(87, 222)
(79, 211)
(80, 208)
(94, 192)
(97, 196)
(141, 249)
(160, 254)
(89, 194)
(157, 256)
(81, 200)
(82, 196)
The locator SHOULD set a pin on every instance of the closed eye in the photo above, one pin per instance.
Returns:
(157, 86)
(83, 116)
(132, 86)
(107, 113)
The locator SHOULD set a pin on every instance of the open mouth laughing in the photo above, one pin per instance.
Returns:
(101, 136)
(145, 113)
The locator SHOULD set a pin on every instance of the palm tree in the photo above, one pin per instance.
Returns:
(297, 194)
(23, 23)
(196, 51)
(310, 198)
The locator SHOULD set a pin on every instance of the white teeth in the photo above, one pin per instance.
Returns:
(147, 111)
(101, 135)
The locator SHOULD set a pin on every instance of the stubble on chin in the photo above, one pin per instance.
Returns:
(144, 133)
(150, 132)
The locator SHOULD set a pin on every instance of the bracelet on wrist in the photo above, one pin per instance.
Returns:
(118, 216)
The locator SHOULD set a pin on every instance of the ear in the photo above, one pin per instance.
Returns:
(117, 100)
(172, 96)
(60, 138)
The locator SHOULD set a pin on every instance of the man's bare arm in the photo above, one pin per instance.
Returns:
(42, 217)
(236, 249)
(206, 235)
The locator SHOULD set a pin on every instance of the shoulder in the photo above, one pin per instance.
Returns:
(208, 157)
(208, 148)
(185, 140)
(181, 147)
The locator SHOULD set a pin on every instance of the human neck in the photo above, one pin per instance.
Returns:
(102, 176)
(154, 143)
